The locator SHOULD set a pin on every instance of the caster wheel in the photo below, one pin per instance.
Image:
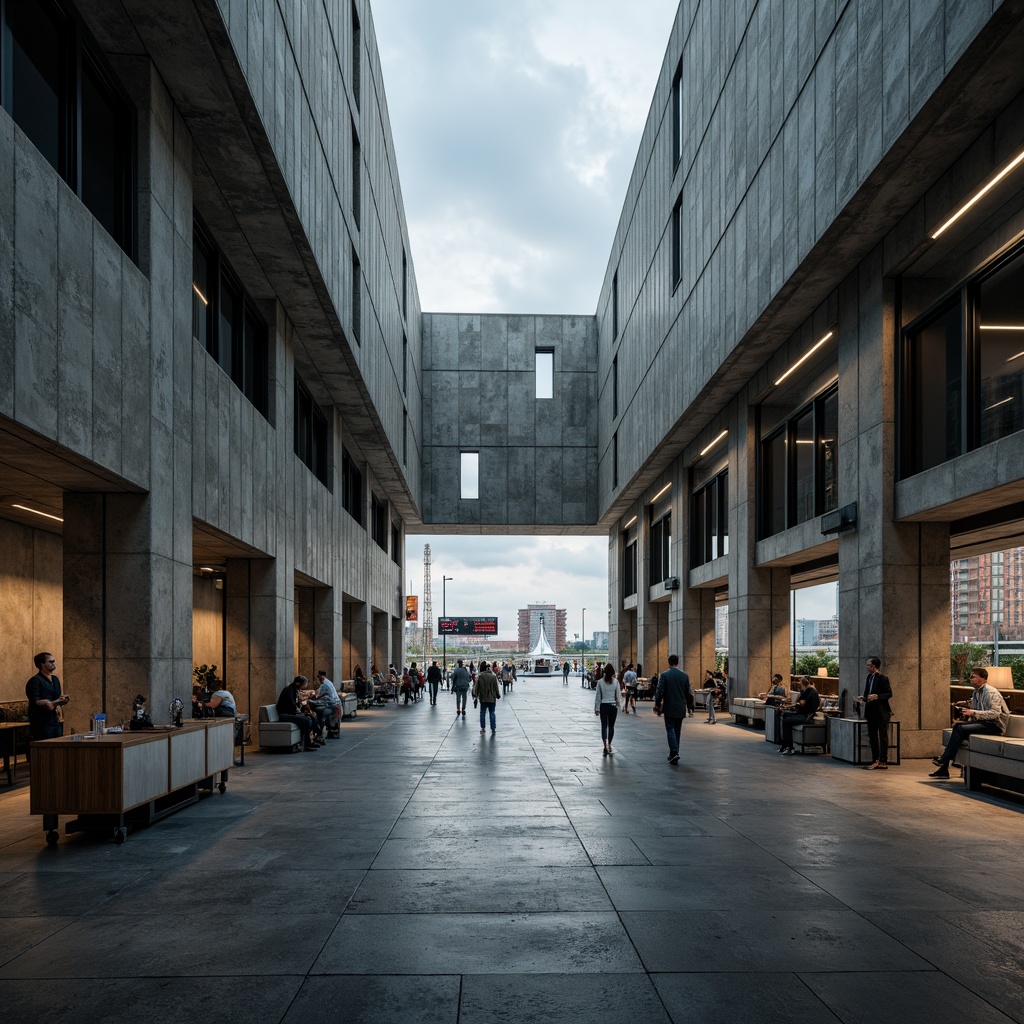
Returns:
(120, 835)
(223, 787)
(52, 836)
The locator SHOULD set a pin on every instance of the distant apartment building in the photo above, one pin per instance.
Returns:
(599, 641)
(529, 626)
(806, 632)
(985, 592)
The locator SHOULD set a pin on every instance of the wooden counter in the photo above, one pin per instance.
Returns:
(120, 772)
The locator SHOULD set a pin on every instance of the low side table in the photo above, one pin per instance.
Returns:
(849, 741)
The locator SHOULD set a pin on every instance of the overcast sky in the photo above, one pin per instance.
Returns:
(516, 125)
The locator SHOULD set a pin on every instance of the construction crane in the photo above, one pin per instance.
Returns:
(428, 621)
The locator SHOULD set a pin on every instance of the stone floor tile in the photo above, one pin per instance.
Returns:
(717, 998)
(376, 999)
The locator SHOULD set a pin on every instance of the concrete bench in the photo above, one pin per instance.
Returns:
(275, 734)
(748, 710)
(995, 760)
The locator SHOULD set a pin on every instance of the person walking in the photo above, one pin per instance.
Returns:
(461, 682)
(487, 691)
(629, 680)
(434, 680)
(607, 702)
(877, 711)
(565, 673)
(671, 700)
(710, 696)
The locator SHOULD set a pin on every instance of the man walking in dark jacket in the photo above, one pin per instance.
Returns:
(671, 699)
(434, 680)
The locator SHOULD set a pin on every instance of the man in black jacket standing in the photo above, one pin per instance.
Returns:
(877, 691)
(434, 680)
(671, 698)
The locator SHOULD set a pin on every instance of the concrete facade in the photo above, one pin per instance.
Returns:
(114, 419)
(795, 163)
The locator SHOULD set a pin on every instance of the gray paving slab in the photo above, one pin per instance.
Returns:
(465, 879)
(481, 943)
(452, 889)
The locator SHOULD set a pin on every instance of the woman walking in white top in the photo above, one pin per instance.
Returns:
(607, 701)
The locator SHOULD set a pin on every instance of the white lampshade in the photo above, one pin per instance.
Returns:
(822, 671)
(1001, 677)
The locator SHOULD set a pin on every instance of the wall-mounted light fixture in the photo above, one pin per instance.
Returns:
(980, 194)
(807, 355)
(708, 447)
(202, 297)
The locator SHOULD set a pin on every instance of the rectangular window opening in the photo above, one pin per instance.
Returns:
(470, 475)
(544, 361)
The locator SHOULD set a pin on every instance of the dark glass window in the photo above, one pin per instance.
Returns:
(629, 569)
(615, 305)
(963, 369)
(615, 387)
(405, 437)
(57, 87)
(351, 487)
(709, 525)
(936, 385)
(357, 56)
(1000, 342)
(396, 545)
(677, 115)
(225, 321)
(803, 466)
(405, 365)
(615, 460)
(37, 91)
(677, 242)
(357, 298)
(661, 548)
(799, 470)
(311, 434)
(357, 176)
(405, 285)
(379, 522)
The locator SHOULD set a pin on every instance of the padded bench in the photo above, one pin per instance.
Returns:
(996, 760)
(748, 710)
(275, 734)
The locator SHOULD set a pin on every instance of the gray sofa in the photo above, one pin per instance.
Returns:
(996, 760)
(275, 734)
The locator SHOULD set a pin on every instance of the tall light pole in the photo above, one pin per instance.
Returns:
(583, 631)
(444, 613)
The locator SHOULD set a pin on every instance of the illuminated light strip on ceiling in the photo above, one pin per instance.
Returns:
(630, 523)
(996, 405)
(1017, 356)
(667, 487)
(202, 297)
(713, 443)
(807, 355)
(980, 194)
(1002, 327)
(35, 511)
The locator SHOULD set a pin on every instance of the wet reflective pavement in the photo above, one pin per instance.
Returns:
(417, 870)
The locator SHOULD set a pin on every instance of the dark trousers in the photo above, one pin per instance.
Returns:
(433, 692)
(960, 733)
(673, 730)
(878, 735)
(609, 712)
(304, 722)
(789, 719)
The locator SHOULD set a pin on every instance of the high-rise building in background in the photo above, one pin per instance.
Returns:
(986, 592)
(529, 626)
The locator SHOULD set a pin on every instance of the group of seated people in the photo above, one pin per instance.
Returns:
(311, 710)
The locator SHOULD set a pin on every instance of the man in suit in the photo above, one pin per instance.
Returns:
(673, 688)
(875, 700)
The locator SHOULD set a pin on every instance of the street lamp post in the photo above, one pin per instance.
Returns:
(583, 632)
(444, 636)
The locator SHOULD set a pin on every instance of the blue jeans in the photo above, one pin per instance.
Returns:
(961, 731)
(460, 700)
(673, 728)
(485, 707)
(712, 699)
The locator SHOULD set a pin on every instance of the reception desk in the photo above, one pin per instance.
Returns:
(123, 779)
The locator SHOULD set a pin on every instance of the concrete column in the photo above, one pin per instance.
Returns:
(379, 650)
(358, 638)
(127, 608)
(259, 631)
(893, 577)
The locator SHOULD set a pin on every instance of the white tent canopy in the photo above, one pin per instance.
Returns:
(542, 658)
